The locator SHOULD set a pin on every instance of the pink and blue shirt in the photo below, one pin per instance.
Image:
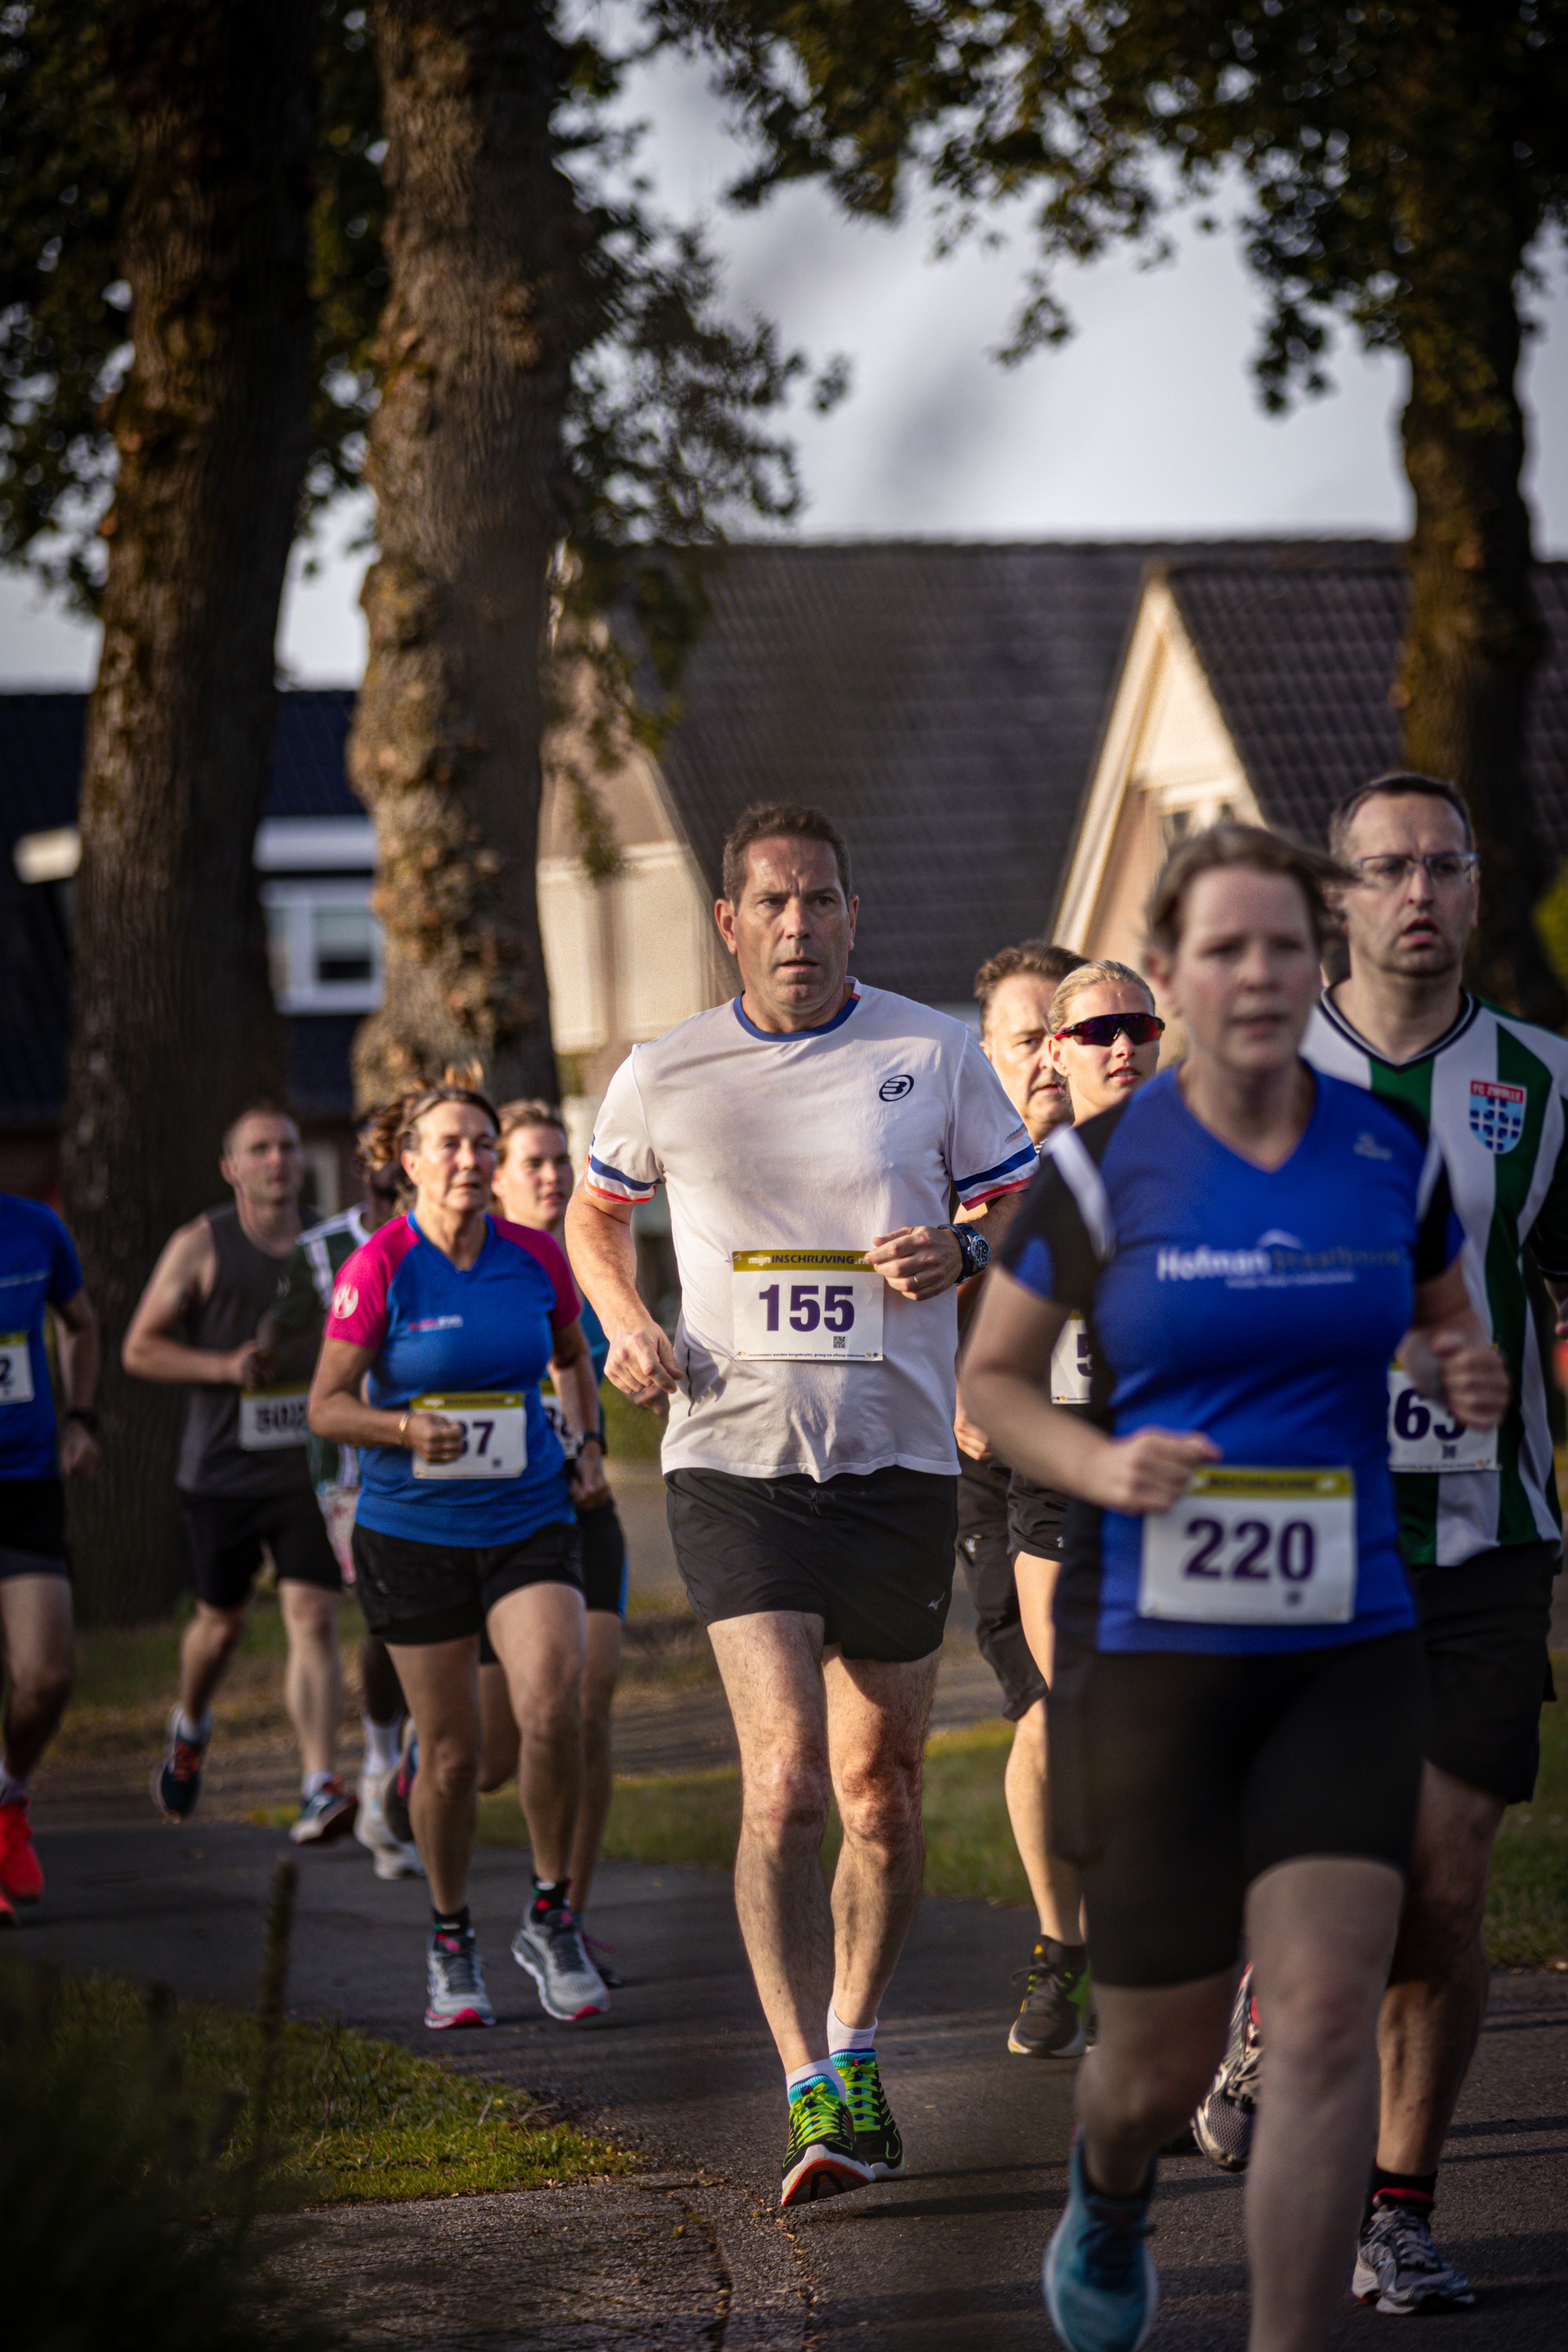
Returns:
(439, 1329)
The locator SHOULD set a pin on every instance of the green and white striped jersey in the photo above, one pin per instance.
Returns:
(1493, 1092)
(304, 1296)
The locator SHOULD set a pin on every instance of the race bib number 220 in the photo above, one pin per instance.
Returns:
(1254, 1548)
(819, 1307)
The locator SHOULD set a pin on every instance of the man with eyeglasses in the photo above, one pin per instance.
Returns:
(292, 1335)
(1480, 1520)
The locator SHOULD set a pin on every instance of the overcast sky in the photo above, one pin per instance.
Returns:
(1147, 424)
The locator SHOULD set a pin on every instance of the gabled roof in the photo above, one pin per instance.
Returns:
(1299, 652)
(942, 702)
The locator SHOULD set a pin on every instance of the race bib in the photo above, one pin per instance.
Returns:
(495, 1436)
(815, 1306)
(270, 1419)
(555, 1415)
(15, 1368)
(1254, 1548)
(1072, 1366)
(1423, 1435)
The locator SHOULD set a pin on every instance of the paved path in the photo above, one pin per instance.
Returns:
(942, 2261)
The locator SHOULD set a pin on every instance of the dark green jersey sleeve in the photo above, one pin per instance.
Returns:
(1548, 1238)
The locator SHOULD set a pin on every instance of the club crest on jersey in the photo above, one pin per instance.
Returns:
(895, 1090)
(345, 1299)
(1497, 1113)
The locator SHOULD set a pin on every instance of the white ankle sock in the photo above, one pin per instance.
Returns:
(816, 2069)
(311, 1783)
(12, 1791)
(381, 1748)
(850, 2037)
(197, 1733)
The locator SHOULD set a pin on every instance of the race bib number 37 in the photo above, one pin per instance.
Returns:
(1423, 1435)
(15, 1368)
(1254, 1548)
(495, 1436)
(815, 1307)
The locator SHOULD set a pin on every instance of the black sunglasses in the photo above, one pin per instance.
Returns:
(1104, 1028)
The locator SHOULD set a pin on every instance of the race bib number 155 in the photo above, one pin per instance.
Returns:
(818, 1306)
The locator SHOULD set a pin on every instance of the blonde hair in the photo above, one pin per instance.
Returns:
(1105, 973)
(529, 1111)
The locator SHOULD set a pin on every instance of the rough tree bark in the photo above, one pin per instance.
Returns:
(173, 1022)
(466, 462)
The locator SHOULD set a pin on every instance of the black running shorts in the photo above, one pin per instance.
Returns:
(603, 1570)
(871, 1556)
(1035, 1517)
(33, 1527)
(988, 1565)
(1485, 1630)
(416, 1593)
(226, 1533)
(1175, 1781)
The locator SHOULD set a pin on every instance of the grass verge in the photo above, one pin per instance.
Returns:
(347, 2118)
(695, 1817)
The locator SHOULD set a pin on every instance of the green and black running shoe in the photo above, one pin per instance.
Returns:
(1057, 2020)
(877, 2141)
(821, 2159)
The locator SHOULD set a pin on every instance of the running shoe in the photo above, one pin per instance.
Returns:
(549, 1945)
(1228, 2109)
(877, 2140)
(1399, 2270)
(177, 1782)
(20, 1876)
(600, 1956)
(1057, 2019)
(1101, 2286)
(457, 1982)
(397, 1786)
(392, 1860)
(329, 1814)
(822, 2159)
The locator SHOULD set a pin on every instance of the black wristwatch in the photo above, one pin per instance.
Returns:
(973, 1248)
(86, 1416)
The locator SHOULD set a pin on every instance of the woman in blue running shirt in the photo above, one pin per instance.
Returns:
(441, 1325)
(1237, 1711)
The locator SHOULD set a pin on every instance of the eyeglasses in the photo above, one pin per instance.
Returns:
(1444, 867)
(1104, 1028)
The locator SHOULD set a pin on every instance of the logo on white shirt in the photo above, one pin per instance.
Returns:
(895, 1090)
(345, 1299)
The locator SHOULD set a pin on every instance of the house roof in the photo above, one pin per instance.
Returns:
(1300, 649)
(40, 772)
(942, 702)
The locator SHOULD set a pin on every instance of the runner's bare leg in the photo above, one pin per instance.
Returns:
(877, 1715)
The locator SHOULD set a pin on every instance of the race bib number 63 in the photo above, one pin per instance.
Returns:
(1254, 1548)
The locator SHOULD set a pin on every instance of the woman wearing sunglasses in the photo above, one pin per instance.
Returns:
(1236, 1715)
(1104, 1042)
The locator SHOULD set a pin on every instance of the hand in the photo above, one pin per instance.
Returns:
(247, 1367)
(433, 1437)
(587, 1484)
(972, 1438)
(1150, 1471)
(918, 1261)
(79, 1457)
(641, 1363)
(1475, 1379)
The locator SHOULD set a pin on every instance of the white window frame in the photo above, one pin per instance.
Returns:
(298, 902)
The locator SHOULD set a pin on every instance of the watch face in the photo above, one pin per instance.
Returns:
(982, 1248)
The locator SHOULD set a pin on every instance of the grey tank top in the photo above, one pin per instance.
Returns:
(212, 1460)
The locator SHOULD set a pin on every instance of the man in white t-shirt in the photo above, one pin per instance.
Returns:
(810, 1134)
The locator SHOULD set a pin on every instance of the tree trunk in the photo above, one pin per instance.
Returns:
(466, 460)
(1475, 636)
(173, 1022)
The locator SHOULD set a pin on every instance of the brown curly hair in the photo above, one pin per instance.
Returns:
(389, 1133)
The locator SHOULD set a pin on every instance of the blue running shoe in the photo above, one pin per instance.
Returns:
(1101, 2286)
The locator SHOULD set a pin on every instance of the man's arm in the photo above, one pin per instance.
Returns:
(183, 1277)
(604, 1254)
(79, 1348)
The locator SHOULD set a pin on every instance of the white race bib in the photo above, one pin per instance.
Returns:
(15, 1368)
(1423, 1435)
(1254, 1548)
(816, 1307)
(1072, 1366)
(495, 1436)
(270, 1419)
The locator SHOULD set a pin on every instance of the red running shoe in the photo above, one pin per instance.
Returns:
(20, 1876)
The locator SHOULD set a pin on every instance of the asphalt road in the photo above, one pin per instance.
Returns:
(681, 2068)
